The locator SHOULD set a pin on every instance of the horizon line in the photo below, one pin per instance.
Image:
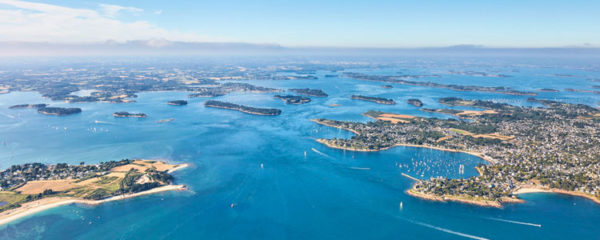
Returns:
(160, 43)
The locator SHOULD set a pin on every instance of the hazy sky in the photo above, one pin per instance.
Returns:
(343, 23)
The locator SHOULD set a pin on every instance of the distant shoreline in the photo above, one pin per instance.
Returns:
(44, 204)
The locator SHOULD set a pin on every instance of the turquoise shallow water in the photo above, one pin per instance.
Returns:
(304, 191)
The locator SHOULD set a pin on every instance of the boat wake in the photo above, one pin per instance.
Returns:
(320, 153)
(102, 122)
(8, 116)
(360, 168)
(441, 229)
(516, 222)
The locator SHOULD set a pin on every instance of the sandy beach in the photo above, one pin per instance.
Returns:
(178, 167)
(541, 189)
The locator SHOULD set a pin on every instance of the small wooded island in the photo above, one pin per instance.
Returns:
(34, 187)
(547, 90)
(21, 106)
(242, 108)
(128, 114)
(415, 102)
(309, 92)
(291, 99)
(177, 102)
(374, 99)
(58, 111)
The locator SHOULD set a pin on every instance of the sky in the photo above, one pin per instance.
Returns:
(308, 23)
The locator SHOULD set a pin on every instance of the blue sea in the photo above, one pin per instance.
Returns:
(303, 190)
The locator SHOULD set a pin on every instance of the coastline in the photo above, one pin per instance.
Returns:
(499, 204)
(41, 205)
(524, 189)
(480, 155)
(485, 203)
(326, 143)
(460, 199)
(178, 167)
(333, 126)
(445, 198)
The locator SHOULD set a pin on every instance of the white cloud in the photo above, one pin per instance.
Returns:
(158, 12)
(40, 22)
(113, 10)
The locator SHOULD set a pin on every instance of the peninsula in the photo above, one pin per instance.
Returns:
(58, 111)
(34, 187)
(551, 148)
(128, 114)
(242, 108)
(374, 99)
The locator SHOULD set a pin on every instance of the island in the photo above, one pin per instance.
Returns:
(415, 102)
(59, 111)
(547, 90)
(581, 90)
(291, 99)
(34, 187)
(309, 92)
(128, 114)
(478, 74)
(403, 80)
(177, 102)
(374, 99)
(36, 106)
(242, 108)
(553, 148)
